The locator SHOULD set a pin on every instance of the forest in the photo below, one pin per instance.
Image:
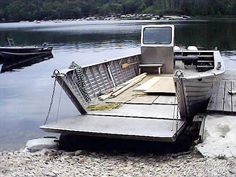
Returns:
(17, 10)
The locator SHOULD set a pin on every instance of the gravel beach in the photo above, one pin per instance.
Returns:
(86, 163)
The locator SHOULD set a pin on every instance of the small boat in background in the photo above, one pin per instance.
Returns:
(16, 53)
(14, 57)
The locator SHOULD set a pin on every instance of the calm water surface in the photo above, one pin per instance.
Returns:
(25, 92)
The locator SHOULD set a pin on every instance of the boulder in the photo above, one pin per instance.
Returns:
(42, 143)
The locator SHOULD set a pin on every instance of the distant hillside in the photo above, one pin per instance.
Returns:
(16, 10)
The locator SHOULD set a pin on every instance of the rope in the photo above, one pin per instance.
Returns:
(59, 104)
(51, 102)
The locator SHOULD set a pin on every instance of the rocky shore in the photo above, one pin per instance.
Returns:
(87, 163)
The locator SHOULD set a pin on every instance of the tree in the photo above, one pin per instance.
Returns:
(15, 10)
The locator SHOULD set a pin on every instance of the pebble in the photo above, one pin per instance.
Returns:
(84, 163)
(232, 171)
(78, 152)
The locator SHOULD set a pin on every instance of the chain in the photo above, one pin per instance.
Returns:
(51, 102)
(78, 78)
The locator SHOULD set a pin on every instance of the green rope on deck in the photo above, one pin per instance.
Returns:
(101, 107)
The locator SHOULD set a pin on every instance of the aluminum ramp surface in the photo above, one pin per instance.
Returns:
(163, 130)
(140, 110)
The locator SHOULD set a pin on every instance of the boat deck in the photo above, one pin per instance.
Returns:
(140, 116)
(221, 101)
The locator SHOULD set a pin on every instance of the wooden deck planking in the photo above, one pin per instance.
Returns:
(164, 85)
(123, 98)
(132, 96)
(227, 97)
(212, 102)
(146, 85)
(221, 101)
(143, 99)
(234, 96)
(220, 97)
(128, 94)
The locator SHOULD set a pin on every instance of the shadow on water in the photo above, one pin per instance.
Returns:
(10, 65)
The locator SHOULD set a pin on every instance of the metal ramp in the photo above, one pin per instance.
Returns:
(140, 122)
(118, 127)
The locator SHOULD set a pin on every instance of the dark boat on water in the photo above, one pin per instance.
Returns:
(18, 53)
(14, 57)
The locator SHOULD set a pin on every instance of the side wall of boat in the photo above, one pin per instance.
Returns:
(194, 91)
(92, 81)
(198, 93)
(102, 77)
(194, 94)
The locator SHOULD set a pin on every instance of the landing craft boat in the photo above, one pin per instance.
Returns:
(144, 87)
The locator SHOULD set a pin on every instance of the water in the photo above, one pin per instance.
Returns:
(25, 92)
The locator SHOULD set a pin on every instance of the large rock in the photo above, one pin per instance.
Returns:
(41, 143)
(219, 137)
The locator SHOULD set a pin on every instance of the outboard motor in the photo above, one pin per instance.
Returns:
(157, 43)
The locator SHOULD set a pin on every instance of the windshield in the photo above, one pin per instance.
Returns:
(160, 35)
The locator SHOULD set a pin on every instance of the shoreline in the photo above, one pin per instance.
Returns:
(89, 163)
(152, 17)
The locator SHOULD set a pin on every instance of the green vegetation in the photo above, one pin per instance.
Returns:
(16, 10)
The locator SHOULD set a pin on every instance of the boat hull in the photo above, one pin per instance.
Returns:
(194, 94)
(18, 53)
(195, 85)
(24, 49)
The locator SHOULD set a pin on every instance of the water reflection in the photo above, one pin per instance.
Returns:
(11, 65)
(82, 34)
(208, 35)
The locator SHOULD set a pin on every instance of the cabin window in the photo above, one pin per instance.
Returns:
(155, 36)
